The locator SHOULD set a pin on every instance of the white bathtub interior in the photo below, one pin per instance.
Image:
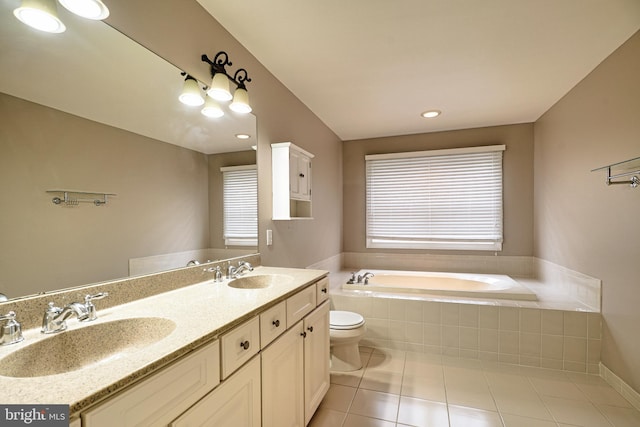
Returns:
(441, 283)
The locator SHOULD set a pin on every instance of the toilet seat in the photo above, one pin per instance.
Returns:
(345, 320)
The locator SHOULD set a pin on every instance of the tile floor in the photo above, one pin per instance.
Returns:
(397, 388)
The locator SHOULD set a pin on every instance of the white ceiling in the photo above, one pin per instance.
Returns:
(368, 68)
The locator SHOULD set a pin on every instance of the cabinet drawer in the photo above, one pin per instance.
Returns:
(165, 395)
(273, 322)
(239, 345)
(322, 290)
(301, 304)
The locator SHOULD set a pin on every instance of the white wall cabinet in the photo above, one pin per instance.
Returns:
(291, 181)
(295, 371)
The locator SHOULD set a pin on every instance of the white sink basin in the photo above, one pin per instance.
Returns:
(79, 348)
(259, 281)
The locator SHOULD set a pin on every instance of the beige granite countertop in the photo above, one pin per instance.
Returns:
(201, 312)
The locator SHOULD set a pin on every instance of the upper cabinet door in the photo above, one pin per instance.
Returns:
(291, 181)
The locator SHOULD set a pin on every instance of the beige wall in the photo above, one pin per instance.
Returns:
(160, 207)
(216, 200)
(518, 180)
(181, 31)
(579, 222)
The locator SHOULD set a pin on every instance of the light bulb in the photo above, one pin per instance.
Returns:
(41, 15)
(90, 9)
(211, 108)
(219, 89)
(191, 92)
(240, 102)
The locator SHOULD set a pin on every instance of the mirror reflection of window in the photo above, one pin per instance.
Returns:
(240, 199)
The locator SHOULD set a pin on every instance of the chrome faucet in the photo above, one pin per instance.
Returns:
(193, 262)
(11, 331)
(54, 319)
(365, 277)
(92, 308)
(233, 272)
(217, 273)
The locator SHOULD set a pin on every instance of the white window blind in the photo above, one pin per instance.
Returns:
(441, 199)
(240, 198)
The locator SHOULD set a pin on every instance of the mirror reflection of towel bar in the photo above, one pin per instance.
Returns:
(67, 198)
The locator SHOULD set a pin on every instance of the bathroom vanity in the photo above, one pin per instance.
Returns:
(245, 353)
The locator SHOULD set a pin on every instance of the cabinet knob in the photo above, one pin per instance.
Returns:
(301, 175)
(323, 290)
(303, 334)
(276, 323)
(310, 329)
(245, 345)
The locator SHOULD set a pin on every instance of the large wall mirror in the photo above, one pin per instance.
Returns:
(91, 110)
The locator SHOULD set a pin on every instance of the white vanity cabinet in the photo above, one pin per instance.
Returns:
(295, 370)
(158, 400)
(271, 370)
(291, 181)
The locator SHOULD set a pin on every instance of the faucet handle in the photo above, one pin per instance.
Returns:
(91, 308)
(11, 331)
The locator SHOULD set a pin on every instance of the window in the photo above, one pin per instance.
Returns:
(240, 198)
(441, 199)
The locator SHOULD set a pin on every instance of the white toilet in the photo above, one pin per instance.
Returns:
(346, 329)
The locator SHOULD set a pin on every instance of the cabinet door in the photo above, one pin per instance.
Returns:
(294, 179)
(304, 177)
(316, 359)
(235, 403)
(283, 380)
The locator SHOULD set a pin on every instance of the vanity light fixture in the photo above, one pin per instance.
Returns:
(191, 94)
(90, 9)
(41, 15)
(430, 114)
(219, 89)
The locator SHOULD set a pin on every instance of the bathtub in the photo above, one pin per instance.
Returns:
(494, 286)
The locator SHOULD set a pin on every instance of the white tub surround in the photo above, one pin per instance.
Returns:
(585, 289)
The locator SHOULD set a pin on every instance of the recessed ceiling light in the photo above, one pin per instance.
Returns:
(243, 136)
(431, 114)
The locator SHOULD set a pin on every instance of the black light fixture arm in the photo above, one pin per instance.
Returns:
(220, 61)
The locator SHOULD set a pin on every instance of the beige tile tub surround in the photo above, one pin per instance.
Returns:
(557, 339)
(201, 312)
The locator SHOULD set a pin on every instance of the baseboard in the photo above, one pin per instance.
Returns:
(620, 386)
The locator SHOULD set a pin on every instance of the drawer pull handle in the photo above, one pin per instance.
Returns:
(303, 334)
(245, 345)
(323, 290)
(276, 323)
(310, 329)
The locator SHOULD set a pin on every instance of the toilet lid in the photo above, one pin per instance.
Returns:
(344, 319)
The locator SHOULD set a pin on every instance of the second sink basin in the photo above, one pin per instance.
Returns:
(259, 281)
(75, 349)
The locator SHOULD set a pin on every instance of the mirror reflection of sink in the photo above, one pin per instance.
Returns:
(259, 281)
(78, 348)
